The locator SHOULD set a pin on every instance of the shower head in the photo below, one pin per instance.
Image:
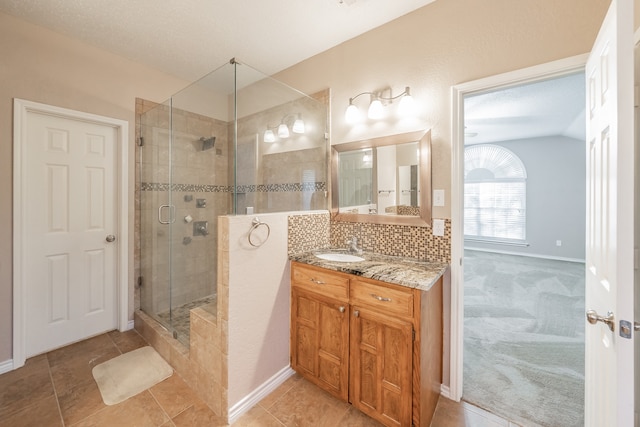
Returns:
(207, 143)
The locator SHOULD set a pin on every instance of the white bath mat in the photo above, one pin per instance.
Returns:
(129, 374)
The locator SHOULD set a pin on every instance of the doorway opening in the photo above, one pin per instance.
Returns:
(70, 227)
(518, 275)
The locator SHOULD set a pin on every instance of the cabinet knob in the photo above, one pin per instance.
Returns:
(341, 309)
(356, 313)
(317, 282)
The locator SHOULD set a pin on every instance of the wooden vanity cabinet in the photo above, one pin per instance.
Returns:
(381, 351)
(320, 328)
(375, 344)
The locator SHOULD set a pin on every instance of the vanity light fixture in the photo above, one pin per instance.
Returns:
(298, 125)
(269, 136)
(282, 130)
(376, 108)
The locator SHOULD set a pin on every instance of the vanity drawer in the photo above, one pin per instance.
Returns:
(320, 281)
(392, 300)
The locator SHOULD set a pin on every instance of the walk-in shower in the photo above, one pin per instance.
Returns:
(235, 141)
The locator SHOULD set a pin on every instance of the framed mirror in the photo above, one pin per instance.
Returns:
(384, 180)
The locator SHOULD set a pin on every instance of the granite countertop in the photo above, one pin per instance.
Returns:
(408, 272)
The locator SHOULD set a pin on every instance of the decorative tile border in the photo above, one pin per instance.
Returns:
(194, 188)
(261, 188)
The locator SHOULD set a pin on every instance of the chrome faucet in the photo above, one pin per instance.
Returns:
(352, 246)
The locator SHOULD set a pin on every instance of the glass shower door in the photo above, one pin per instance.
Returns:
(156, 213)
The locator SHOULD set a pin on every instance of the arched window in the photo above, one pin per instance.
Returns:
(495, 184)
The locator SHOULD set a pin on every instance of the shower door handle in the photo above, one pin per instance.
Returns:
(172, 214)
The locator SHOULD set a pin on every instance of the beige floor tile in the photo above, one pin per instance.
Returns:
(140, 411)
(79, 401)
(87, 350)
(77, 369)
(173, 395)
(257, 417)
(27, 398)
(307, 405)
(198, 415)
(25, 386)
(355, 418)
(453, 414)
(273, 397)
(127, 341)
(42, 413)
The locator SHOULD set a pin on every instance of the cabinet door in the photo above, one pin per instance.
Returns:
(320, 341)
(381, 364)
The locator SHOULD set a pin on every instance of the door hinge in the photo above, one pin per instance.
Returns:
(141, 141)
(140, 282)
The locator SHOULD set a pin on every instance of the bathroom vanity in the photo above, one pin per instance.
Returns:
(370, 332)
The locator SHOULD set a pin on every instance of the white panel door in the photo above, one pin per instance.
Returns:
(70, 270)
(609, 367)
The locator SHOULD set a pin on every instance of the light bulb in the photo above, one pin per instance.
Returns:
(352, 114)
(298, 125)
(407, 105)
(269, 136)
(283, 131)
(376, 111)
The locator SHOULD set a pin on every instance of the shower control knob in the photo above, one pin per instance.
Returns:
(111, 238)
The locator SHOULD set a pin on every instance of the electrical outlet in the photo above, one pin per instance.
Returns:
(438, 197)
(558, 242)
(438, 227)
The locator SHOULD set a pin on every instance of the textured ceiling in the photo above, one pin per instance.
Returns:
(550, 107)
(189, 38)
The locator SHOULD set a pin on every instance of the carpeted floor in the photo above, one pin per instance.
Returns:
(524, 338)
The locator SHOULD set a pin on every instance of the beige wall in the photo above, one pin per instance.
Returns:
(445, 43)
(42, 66)
(440, 45)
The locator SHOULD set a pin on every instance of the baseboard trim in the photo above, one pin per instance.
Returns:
(6, 366)
(259, 393)
(130, 325)
(555, 258)
(444, 391)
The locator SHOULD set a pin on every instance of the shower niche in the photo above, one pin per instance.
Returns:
(233, 142)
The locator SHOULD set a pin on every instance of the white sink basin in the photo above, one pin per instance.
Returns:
(340, 257)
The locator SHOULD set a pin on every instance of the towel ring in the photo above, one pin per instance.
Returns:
(257, 223)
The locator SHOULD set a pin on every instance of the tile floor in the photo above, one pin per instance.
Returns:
(57, 389)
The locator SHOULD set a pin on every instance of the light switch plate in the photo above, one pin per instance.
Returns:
(438, 197)
(438, 227)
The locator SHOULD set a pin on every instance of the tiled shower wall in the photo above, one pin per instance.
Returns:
(286, 175)
(197, 175)
(317, 231)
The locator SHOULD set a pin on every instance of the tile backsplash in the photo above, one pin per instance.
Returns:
(308, 232)
(316, 230)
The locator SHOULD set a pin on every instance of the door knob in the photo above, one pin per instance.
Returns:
(593, 317)
(111, 238)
